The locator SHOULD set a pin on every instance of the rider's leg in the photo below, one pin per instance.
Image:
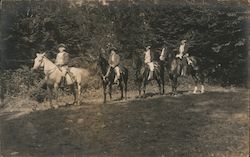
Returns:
(151, 70)
(189, 61)
(64, 73)
(108, 71)
(117, 74)
(184, 67)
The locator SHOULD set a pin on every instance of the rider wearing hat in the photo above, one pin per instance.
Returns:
(184, 56)
(183, 49)
(148, 60)
(114, 61)
(62, 60)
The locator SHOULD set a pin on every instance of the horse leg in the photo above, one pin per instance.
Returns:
(202, 83)
(104, 93)
(163, 83)
(158, 80)
(126, 88)
(196, 82)
(121, 89)
(78, 93)
(56, 94)
(173, 79)
(171, 82)
(138, 84)
(125, 81)
(144, 83)
(162, 78)
(175, 84)
(110, 91)
(139, 87)
(49, 90)
(72, 88)
(202, 88)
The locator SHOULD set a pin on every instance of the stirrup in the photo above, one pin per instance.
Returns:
(104, 78)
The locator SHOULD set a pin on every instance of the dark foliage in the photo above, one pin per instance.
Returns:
(217, 33)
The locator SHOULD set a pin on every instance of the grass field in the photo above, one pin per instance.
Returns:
(213, 124)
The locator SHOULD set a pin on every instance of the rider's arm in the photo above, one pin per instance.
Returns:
(118, 59)
(66, 58)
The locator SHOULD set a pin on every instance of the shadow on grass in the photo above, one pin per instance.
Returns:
(188, 125)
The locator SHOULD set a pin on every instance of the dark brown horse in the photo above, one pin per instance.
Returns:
(141, 73)
(175, 65)
(108, 81)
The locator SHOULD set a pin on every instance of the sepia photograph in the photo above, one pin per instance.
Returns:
(124, 78)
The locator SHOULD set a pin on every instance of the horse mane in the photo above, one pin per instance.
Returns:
(48, 60)
(103, 63)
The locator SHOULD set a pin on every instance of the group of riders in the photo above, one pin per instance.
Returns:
(62, 60)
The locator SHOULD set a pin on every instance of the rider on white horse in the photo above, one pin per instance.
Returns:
(148, 60)
(62, 60)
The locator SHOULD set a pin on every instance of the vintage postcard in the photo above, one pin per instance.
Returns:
(124, 78)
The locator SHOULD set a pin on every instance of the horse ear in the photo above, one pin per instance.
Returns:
(37, 54)
(43, 54)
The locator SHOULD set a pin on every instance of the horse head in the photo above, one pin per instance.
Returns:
(102, 63)
(38, 61)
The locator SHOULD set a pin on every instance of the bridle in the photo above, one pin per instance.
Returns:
(49, 71)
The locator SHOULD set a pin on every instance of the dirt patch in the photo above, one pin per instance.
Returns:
(211, 124)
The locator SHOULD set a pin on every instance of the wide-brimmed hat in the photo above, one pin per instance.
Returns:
(183, 41)
(113, 49)
(61, 45)
(148, 47)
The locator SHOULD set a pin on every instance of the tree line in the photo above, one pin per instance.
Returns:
(216, 33)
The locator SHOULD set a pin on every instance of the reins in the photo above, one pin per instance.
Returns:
(52, 69)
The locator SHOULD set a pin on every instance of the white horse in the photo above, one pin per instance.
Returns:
(53, 75)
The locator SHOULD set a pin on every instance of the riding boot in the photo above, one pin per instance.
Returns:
(63, 82)
(150, 76)
(107, 73)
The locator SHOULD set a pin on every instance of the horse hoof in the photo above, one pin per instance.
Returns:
(173, 94)
(76, 104)
(54, 106)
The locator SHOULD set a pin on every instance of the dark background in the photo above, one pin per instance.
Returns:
(216, 31)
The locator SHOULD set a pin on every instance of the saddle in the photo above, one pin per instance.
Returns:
(63, 80)
(156, 66)
(121, 68)
(188, 61)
